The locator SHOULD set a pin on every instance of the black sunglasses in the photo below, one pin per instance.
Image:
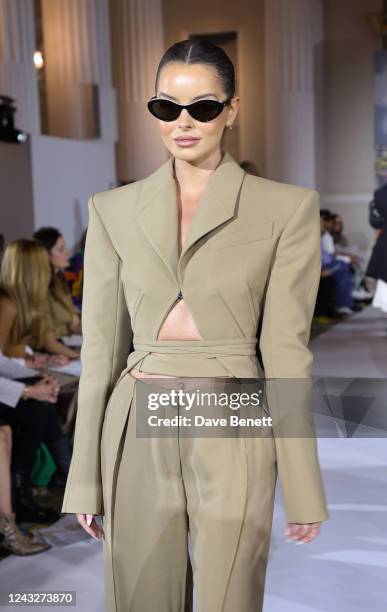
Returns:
(202, 110)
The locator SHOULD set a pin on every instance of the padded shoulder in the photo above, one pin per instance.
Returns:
(282, 199)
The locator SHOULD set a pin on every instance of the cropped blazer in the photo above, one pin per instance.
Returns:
(251, 259)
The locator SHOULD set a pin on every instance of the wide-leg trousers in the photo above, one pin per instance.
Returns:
(220, 493)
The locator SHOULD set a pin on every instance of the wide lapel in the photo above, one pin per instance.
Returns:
(157, 212)
(157, 215)
(218, 202)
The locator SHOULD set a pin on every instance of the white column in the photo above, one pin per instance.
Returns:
(137, 48)
(17, 71)
(293, 37)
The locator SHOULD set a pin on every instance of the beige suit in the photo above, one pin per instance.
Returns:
(253, 247)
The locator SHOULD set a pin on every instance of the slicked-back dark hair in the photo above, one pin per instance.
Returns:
(199, 51)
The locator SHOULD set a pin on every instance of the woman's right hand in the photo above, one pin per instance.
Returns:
(46, 390)
(58, 360)
(90, 526)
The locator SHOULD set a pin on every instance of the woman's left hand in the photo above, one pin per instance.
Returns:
(302, 532)
(37, 360)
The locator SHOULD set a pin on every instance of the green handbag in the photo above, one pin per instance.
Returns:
(43, 468)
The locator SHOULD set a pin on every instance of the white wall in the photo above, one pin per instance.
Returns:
(64, 175)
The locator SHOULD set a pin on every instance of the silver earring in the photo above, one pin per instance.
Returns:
(230, 127)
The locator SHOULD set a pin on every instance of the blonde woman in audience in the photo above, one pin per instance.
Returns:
(65, 316)
(25, 322)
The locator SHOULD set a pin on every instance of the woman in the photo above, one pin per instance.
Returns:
(34, 420)
(65, 316)
(377, 267)
(24, 317)
(180, 261)
(27, 412)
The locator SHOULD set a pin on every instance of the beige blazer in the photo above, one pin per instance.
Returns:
(253, 248)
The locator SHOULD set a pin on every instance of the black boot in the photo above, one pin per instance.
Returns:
(25, 506)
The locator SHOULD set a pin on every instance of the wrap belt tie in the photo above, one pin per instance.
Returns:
(215, 348)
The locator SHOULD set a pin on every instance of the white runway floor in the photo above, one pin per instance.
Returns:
(344, 569)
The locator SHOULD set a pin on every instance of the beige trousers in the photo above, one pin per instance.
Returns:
(220, 491)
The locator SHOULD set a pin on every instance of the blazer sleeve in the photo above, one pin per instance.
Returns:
(288, 311)
(107, 335)
(291, 294)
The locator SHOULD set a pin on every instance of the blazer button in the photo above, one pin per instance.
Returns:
(179, 295)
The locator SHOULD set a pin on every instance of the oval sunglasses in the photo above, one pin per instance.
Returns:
(202, 110)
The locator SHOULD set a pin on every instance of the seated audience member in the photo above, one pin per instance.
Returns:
(28, 408)
(327, 239)
(343, 253)
(14, 540)
(65, 316)
(332, 266)
(326, 295)
(25, 322)
(333, 239)
(74, 273)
